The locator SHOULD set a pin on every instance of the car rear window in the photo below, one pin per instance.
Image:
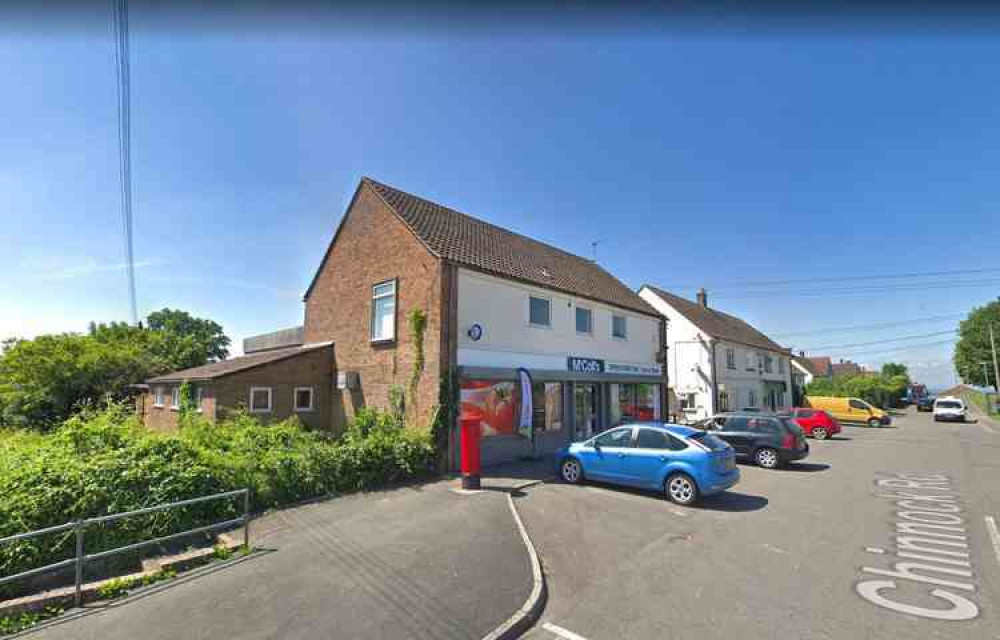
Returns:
(713, 442)
(949, 404)
(794, 428)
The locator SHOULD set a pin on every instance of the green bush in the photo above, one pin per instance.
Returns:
(104, 461)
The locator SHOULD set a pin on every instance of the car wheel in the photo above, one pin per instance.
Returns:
(874, 422)
(820, 433)
(571, 471)
(767, 457)
(682, 489)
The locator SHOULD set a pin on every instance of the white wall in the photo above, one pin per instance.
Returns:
(501, 307)
(690, 365)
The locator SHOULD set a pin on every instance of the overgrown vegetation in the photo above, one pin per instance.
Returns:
(20, 622)
(880, 390)
(118, 587)
(974, 346)
(45, 380)
(981, 400)
(418, 326)
(104, 461)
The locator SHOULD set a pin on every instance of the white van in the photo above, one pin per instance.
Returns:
(949, 408)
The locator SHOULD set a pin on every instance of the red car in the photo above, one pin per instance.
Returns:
(816, 423)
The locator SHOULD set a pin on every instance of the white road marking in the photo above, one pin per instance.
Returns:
(991, 526)
(874, 550)
(562, 633)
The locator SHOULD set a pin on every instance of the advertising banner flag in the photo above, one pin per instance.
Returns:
(527, 410)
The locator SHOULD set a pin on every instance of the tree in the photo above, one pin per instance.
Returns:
(973, 346)
(45, 380)
(890, 369)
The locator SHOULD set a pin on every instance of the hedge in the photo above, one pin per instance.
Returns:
(105, 461)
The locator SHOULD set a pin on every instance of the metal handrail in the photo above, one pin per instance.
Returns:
(80, 526)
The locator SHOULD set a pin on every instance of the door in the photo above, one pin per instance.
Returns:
(652, 452)
(605, 459)
(736, 431)
(584, 411)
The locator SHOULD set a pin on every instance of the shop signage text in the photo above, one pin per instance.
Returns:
(633, 369)
(585, 365)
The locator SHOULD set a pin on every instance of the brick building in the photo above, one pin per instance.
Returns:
(494, 304)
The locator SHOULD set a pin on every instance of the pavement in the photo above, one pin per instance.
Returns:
(782, 554)
(416, 562)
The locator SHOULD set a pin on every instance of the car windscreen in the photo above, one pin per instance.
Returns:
(949, 404)
(713, 442)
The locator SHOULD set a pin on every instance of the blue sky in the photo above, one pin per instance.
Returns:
(697, 159)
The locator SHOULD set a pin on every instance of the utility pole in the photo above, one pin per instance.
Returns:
(986, 373)
(996, 368)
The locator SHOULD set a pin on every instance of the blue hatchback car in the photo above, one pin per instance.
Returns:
(683, 462)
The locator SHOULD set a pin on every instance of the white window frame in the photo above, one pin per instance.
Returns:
(158, 397)
(270, 400)
(731, 358)
(589, 311)
(750, 366)
(624, 323)
(197, 397)
(751, 398)
(548, 301)
(295, 399)
(781, 365)
(395, 310)
(175, 398)
(768, 363)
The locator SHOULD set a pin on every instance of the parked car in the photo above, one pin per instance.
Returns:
(816, 423)
(683, 462)
(848, 410)
(926, 403)
(949, 408)
(769, 440)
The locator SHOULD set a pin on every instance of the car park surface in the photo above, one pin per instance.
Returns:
(780, 555)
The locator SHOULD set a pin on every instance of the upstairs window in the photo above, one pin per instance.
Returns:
(539, 312)
(750, 361)
(619, 327)
(781, 365)
(584, 320)
(384, 311)
(730, 358)
(768, 364)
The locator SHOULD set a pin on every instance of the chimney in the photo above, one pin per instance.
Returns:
(703, 297)
(802, 354)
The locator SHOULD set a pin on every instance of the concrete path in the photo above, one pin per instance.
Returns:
(415, 562)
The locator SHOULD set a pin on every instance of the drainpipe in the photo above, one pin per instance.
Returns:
(715, 382)
(665, 353)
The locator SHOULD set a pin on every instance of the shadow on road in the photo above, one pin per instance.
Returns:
(732, 501)
(806, 467)
(839, 438)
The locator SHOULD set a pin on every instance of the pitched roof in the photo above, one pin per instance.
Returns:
(473, 243)
(716, 323)
(233, 365)
(821, 365)
(806, 364)
(845, 368)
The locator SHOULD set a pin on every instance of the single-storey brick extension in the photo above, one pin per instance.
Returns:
(502, 312)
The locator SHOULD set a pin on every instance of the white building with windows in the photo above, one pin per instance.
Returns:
(717, 362)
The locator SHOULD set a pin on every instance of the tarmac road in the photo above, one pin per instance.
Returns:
(782, 554)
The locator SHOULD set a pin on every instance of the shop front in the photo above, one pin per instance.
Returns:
(528, 413)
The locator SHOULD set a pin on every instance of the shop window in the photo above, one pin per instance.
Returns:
(584, 320)
(632, 402)
(303, 398)
(547, 406)
(619, 327)
(384, 311)
(539, 311)
(730, 358)
(493, 403)
(260, 399)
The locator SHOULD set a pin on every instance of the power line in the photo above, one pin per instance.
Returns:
(863, 353)
(865, 344)
(918, 274)
(879, 325)
(119, 15)
(847, 291)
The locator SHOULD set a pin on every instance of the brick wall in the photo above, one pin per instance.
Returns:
(372, 246)
(313, 369)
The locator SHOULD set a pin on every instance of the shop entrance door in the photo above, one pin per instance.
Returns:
(584, 411)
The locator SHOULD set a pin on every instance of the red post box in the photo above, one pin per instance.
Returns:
(471, 432)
